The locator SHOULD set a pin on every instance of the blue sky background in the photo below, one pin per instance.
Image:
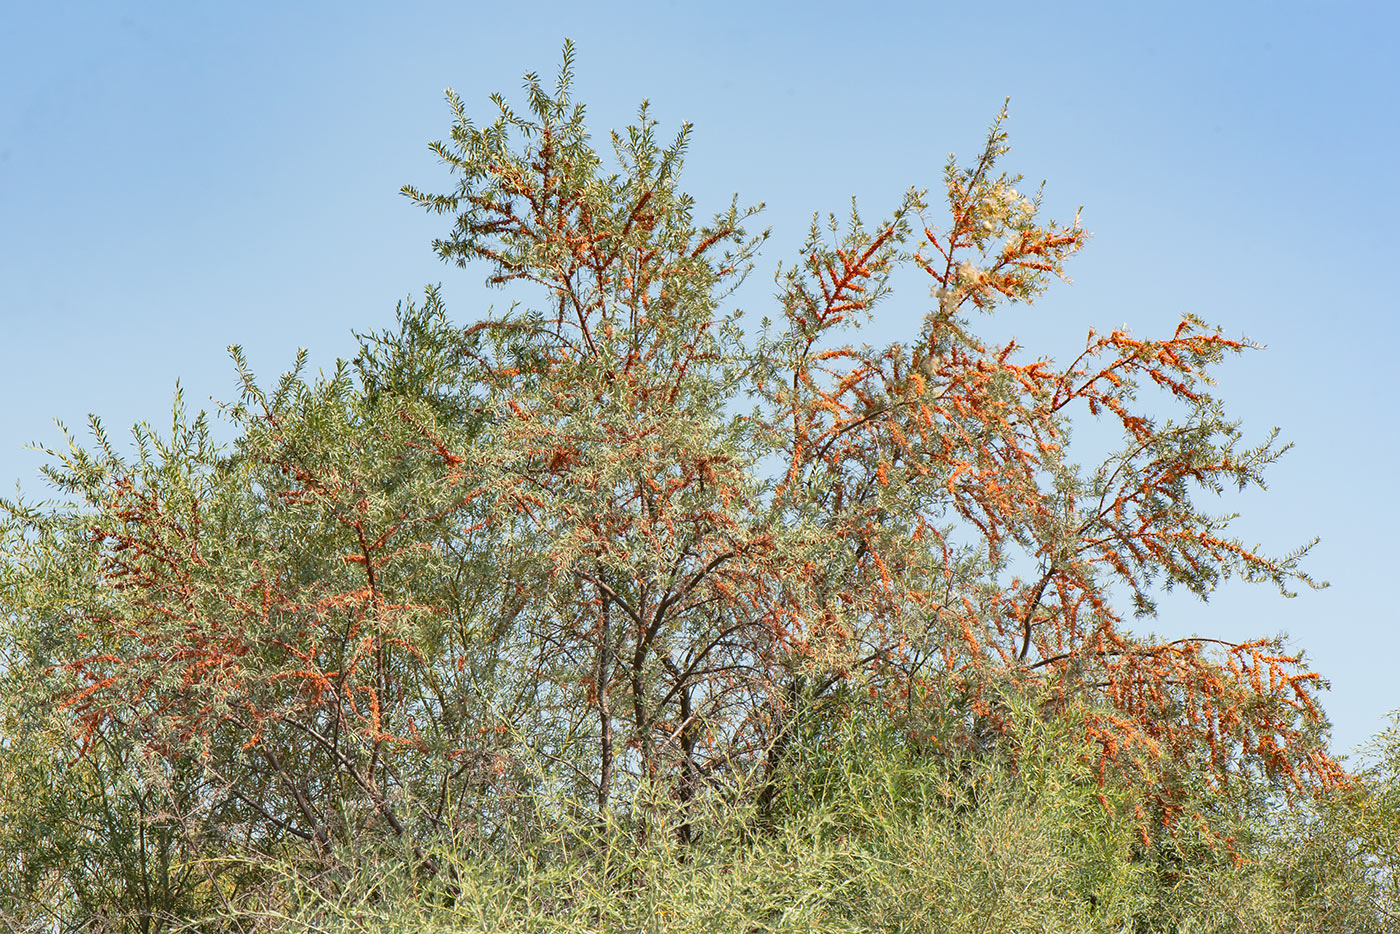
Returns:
(175, 178)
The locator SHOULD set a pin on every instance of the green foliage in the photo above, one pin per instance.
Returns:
(107, 834)
(1339, 858)
(870, 838)
(601, 614)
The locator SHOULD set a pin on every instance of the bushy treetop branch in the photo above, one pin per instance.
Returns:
(611, 530)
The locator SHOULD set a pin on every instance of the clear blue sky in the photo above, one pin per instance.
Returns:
(175, 178)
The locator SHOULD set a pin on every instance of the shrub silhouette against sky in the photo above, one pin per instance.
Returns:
(621, 537)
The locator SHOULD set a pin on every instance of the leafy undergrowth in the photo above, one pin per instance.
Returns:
(866, 836)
